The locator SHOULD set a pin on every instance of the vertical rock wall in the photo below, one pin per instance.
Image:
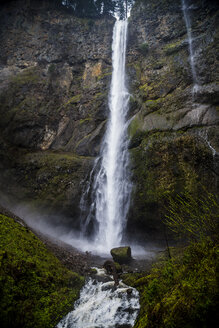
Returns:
(174, 136)
(54, 72)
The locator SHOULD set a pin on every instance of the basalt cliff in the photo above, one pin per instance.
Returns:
(55, 72)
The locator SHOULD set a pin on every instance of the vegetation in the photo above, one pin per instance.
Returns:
(89, 8)
(143, 48)
(36, 290)
(182, 290)
(97, 8)
(193, 217)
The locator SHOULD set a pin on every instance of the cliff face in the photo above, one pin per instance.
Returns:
(174, 132)
(55, 74)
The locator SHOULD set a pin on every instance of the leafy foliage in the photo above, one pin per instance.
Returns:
(36, 289)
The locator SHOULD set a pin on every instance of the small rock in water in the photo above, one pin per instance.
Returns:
(121, 254)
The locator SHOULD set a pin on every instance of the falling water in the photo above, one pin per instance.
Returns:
(204, 135)
(185, 9)
(111, 186)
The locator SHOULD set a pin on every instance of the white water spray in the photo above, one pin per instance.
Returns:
(185, 10)
(102, 306)
(111, 185)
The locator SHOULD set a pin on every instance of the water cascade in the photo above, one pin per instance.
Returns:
(205, 137)
(110, 185)
(101, 305)
(185, 10)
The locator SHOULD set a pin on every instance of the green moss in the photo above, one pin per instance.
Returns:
(102, 76)
(29, 75)
(99, 95)
(73, 100)
(49, 178)
(85, 120)
(143, 48)
(152, 105)
(165, 163)
(36, 289)
(181, 292)
(135, 126)
(146, 89)
(138, 70)
(121, 254)
(173, 47)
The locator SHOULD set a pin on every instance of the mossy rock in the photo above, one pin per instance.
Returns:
(165, 163)
(121, 254)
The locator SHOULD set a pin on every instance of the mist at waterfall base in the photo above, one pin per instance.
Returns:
(58, 228)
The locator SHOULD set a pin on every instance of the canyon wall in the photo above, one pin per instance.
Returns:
(174, 132)
(55, 74)
(55, 71)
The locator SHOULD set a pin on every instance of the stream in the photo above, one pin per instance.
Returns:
(102, 305)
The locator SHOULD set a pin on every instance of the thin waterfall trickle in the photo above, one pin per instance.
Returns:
(185, 10)
(110, 183)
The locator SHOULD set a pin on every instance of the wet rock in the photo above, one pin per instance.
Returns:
(110, 268)
(53, 93)
(121, 254)
(168, 112)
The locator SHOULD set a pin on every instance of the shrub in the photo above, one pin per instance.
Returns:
(193, 217)
(143, 48)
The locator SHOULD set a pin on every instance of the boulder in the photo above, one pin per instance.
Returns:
(121, 254)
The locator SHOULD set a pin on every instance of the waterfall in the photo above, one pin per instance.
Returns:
(110, 184)
(185, 10)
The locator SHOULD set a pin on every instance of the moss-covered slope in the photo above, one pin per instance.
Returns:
(36, 289)
(181, 292)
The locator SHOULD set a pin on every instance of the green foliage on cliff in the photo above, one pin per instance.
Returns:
(36, 289)
(182, 291)
(193, 217)
(86, 8)
(166, 164)
(144, 48)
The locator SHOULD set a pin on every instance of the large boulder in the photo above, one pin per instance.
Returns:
(121, 254)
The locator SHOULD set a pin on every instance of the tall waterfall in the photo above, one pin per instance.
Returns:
(185, 10)
(111, 186)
